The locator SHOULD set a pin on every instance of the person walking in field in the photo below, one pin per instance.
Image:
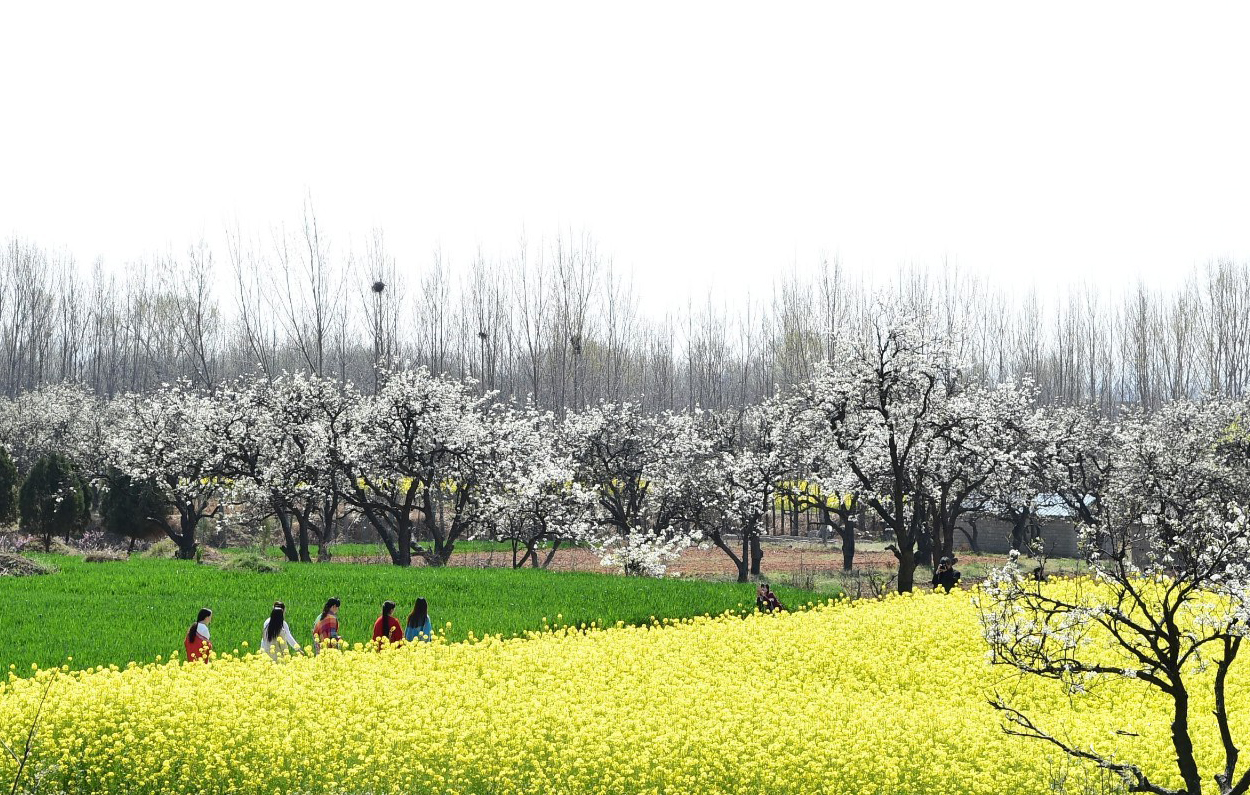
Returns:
(387, 629)
(419, 623)
(275, 633)
(198, 642)
(326, 628)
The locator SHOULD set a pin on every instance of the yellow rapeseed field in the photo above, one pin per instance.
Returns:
(870, 697)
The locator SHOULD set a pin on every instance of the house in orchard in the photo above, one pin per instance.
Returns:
(1051, 522)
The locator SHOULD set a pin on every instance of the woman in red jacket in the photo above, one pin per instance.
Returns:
(387, 628)
(197, 642)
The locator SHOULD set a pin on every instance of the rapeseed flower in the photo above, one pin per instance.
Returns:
(868, 697)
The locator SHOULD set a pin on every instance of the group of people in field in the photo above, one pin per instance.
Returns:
(276, 637)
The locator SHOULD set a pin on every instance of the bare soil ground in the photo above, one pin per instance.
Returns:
(780, 557)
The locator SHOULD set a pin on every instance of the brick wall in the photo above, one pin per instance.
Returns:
(994, 537)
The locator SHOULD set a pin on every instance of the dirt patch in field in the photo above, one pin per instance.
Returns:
(106, 556)
(17, 566)
(779, 557)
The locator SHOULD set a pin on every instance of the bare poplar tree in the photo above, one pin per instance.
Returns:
(257, 339)
(381, 294)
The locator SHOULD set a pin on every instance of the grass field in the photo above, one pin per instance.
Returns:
(101, 613)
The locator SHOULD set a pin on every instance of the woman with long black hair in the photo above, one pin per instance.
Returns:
(419, 623)
(326, 630)
(198, 643)
(387, 629)
(274, 630)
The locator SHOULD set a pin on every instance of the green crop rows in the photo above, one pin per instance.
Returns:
(101, 613)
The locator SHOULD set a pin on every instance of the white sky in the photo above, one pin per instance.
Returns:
(702, 145)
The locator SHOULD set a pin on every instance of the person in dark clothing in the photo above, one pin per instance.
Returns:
(945, 576)
(765, 600)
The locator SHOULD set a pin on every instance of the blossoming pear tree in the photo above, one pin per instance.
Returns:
(878, 407)
(821, 480)
(177, 439)
(283, 460)
(981, 450)
(535, 498)
(639, 467)
(1166, 605)
(415, 457)
(64, 419)
(1074, 457)
(753, 454)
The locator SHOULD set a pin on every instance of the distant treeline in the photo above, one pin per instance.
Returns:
(559, 323)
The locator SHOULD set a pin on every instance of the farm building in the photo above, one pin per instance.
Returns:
(1053, 522)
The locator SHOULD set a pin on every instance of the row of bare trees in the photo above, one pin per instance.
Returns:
(557, 321)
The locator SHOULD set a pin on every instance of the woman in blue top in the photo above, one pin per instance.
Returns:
(419, 623)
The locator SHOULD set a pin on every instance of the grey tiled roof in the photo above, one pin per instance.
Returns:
(1051, 506)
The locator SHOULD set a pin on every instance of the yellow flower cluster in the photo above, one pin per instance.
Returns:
(870, 697)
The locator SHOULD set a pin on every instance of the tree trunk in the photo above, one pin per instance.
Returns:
(948, 540)
(554, 546)
(441, 543)
(757, 554)
(924, 547)
(740, 563)
(846, 530)
(402, 556)
(974, 541)
(531, 553)
(906, 568)
(288, 538)
(329, 511)
(304, 555)
(1183, 744)
(321, 537)
(1020, 532)
(442, 549)
(378, 522)
(186, 539)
